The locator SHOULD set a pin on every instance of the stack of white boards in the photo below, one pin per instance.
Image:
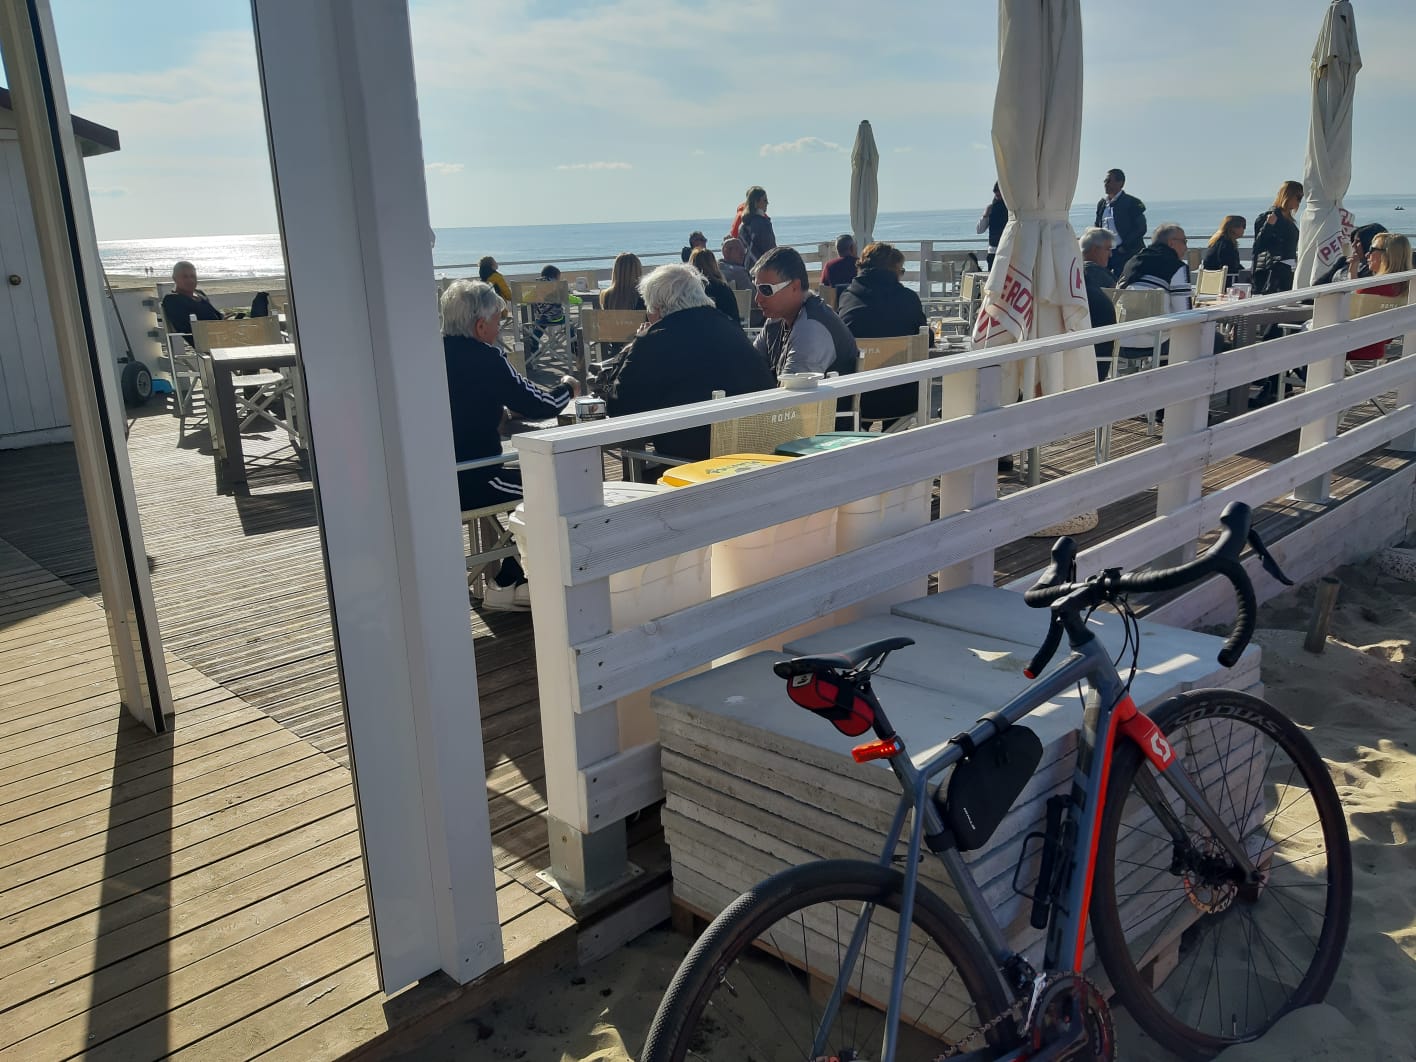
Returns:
(755, 784)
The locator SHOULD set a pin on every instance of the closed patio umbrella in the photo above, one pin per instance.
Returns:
(1036, 288)
(865, 187)
(1325, 226)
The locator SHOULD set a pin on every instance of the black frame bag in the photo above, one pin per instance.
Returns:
(981, 789)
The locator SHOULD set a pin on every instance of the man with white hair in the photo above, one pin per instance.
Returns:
(1096, 244)
(481, 386)
(688, 350)
(186, 301)
(733, 268)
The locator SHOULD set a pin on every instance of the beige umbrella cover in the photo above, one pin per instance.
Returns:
(1327, 169)
(1036, 288)
(865, 188)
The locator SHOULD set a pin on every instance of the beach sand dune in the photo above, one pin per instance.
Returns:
(1357, 700)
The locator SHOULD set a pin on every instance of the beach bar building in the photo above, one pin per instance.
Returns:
(262, 787)
(32, 408)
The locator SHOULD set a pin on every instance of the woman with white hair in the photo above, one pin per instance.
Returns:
(481, 386)
(687, 351)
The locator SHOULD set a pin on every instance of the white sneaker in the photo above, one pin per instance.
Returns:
(507, 598)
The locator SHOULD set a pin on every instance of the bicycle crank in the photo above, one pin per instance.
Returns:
(1068, 1019)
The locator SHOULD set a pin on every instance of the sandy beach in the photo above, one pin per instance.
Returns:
(1357, 700)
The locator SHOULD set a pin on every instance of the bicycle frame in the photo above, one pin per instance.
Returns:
(1109, 715)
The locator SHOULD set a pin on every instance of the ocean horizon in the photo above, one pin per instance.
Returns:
(524, 248)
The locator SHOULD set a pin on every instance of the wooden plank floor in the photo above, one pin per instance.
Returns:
(198, 894)
(241, 596)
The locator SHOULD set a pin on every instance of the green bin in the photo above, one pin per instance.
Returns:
(819, 444)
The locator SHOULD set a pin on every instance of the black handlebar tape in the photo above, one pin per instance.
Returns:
(1064, 556)
(1049, 646)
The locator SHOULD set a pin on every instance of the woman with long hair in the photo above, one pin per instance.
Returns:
(487, 271)
(623, 292)
(718, 289)
(755, 229)
(1223, 250)
(1390, 252)
(1276, 241)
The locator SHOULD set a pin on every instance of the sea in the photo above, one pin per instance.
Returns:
(525, 248)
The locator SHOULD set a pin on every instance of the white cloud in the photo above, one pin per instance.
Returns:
(443, 169)
(802, 145)
(594, 166)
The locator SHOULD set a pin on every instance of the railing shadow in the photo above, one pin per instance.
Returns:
(130, 988)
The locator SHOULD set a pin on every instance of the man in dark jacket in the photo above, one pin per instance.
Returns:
(1095, 245)
(1123, 215)
(481, 386)
(186, 301)
(687, 351)
(875, 306)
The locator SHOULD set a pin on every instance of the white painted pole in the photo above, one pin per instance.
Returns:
(1328, 310)
(346, 155)
(1189, 417)
(64, 225)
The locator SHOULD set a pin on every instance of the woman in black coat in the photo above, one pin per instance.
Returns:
(1223, 249)
(718, 289)
(1276, 241)
(877, 305)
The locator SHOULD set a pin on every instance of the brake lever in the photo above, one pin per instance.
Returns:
(1270, 565)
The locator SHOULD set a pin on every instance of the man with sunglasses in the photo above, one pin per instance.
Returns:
(802, 333)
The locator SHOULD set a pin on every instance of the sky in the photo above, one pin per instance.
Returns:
(544, 112)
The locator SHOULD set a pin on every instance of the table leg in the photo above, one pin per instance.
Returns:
(231, 465)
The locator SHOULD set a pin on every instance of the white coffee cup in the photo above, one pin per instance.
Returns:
(800, 381)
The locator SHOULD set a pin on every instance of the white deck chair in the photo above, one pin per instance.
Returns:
(1209, 284)
(1133, 304)
(553, 343)
(884, 352)
(1365, 304)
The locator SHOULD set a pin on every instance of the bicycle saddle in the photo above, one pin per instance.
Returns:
(845, 660)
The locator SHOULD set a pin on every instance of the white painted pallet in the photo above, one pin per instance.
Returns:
(755, 784)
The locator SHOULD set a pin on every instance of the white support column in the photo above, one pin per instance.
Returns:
(1406, 392)
(346, 156)
(64, 224)
(1327, 310)
(1190, 417)
(588, 855)
(965, 394)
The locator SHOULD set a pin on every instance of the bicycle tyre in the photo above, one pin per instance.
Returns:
(1199, 724)
(772, 903)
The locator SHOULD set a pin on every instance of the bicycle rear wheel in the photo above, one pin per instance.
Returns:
(1199, 959)
(755, 984)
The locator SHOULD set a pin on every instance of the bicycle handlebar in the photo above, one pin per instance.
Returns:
(1221, 559)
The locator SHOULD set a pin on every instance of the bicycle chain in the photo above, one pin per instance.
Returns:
(1016, 1012)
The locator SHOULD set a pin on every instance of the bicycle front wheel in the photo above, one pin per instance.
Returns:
(1200, 959)
(756, 983)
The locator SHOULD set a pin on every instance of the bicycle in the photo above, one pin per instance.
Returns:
(1238, 868)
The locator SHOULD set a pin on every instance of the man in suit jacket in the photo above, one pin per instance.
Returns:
(1123, 215)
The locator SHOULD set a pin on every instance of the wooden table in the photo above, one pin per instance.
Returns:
(1247, 328)
(227, 363)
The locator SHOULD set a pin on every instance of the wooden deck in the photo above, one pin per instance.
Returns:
(203, 893)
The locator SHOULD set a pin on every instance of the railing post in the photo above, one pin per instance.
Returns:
(1188, 417)
(926, 252)
(1327, 310)
(965, 394)
(1406, 391)
(586, 856)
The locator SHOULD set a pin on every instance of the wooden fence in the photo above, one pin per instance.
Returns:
(576, 543)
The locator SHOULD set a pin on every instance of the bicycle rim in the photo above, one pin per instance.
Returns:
(756, 984)
(1200, 960)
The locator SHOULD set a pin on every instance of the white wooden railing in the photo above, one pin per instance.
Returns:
(575, 542)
